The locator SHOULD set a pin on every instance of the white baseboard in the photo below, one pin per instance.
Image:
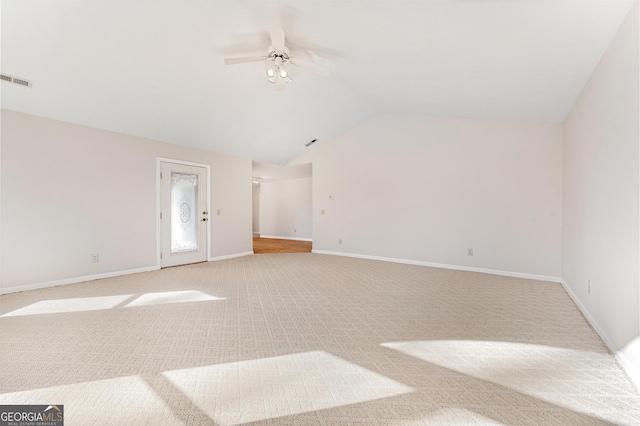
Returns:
(445, 266)
(629, 368)
(624, 362)
(75, 280)
(589, 318)
(285, 238)
(230, 256)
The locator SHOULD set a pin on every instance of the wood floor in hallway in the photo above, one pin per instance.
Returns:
(273, 245)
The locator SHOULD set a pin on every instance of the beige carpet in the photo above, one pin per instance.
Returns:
(310, 339)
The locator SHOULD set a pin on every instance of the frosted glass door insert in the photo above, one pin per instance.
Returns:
(184, 212)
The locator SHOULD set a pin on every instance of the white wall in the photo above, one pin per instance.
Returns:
(285, 208)
(69, 191)
(427, 189)
(601, 193)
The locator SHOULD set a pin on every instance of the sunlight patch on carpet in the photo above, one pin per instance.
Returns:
(125, 400)
(267, 388)
(79, 304)
(547, 373)
(183, 296)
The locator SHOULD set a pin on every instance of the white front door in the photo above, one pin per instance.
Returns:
(184, 215)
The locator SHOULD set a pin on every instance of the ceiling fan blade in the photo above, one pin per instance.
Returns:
(312, 66)
(233, 61)
(277, 39)
(279, 83)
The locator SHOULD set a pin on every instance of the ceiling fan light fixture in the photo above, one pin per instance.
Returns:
(277, 56)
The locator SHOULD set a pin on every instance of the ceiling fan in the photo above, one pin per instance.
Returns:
(279, 55)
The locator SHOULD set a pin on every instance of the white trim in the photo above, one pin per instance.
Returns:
(622, 359)
(0, 200)
(594, 324)
(86, 278)
(231, 256)
(628, 368)
(184, 163)
(632, 369)
(158, 210)
(75, 280)
(445, 266)
(285, 238)
(160, 160)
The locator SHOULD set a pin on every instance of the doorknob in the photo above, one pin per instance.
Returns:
(204, 219)
(205, 212)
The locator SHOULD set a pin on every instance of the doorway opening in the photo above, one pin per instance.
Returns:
(282, 208)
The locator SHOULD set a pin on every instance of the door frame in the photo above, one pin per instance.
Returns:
(160, 160)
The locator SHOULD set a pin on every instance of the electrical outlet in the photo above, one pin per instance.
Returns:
(589, 286)
(295, 230)
(218, 212)
(340, 241)
(469, 252)
(95, 257)
(322, 211)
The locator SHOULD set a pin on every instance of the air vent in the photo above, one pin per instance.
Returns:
(310, 143)
(16, 80)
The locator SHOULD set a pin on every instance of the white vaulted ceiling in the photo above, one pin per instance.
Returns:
(155, 68)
